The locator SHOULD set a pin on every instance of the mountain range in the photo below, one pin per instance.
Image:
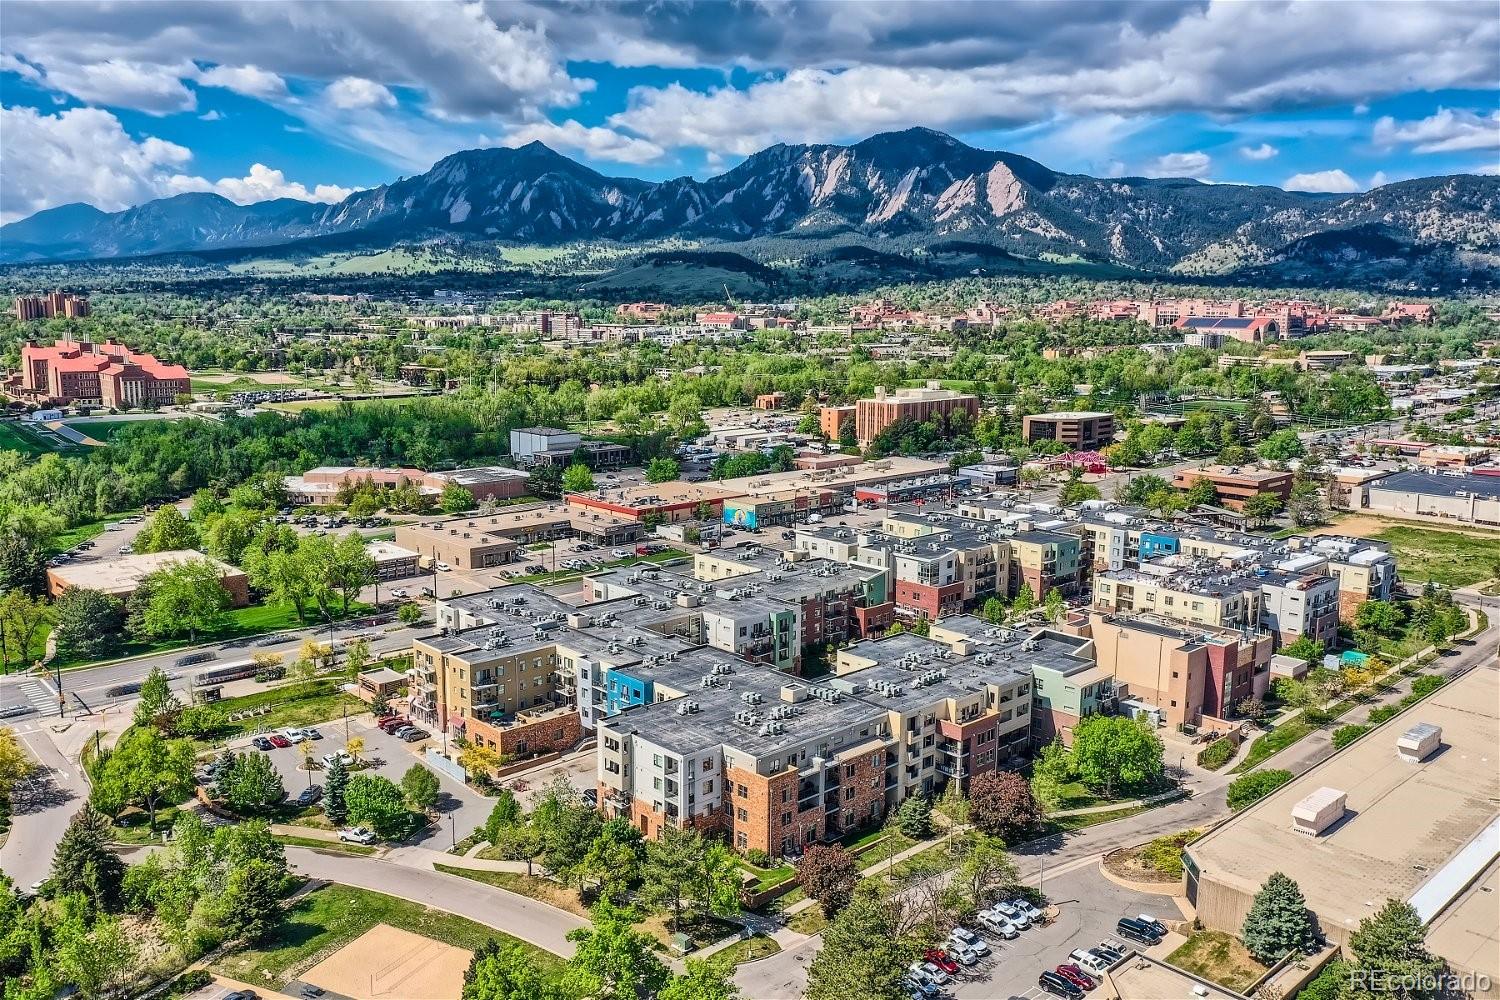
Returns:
(905, 189)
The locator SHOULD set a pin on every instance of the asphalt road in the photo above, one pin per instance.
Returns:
(41, 807)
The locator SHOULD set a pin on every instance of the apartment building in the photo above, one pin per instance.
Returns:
(777, 764)
(1365, 570)
(1079, 430)
(837, 601)
(53, 304)
(871, 416)
(1234, 484)
(1189, 675)
(831, 420)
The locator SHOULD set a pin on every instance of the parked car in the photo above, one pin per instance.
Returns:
(329, 758)
(312, 733)
(242, 995)
(1032, 913)
(996, 922)
(1058, 986)
(962, 955)
(620, 554)
(309, 796)
(442, 566)
(1075, 975)
(310, 992)
(932, 974)
(1133, 930)
(356, 835)
(278, 741)
(1151, 922)
(920, 987)
(1095, 964)
(293, 735)
(941, 959)
(395, 722)
(968, 939)
(1110, 951)
(1014, 914)
(399, 592)
(261, 743)
(414, 734)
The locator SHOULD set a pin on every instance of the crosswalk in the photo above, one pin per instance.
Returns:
(30, 692)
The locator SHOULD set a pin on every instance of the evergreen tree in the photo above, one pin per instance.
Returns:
(335, 783)
(1278, 921)
(158, 705)
(915, 817)
(1389, 946)
(83, 861)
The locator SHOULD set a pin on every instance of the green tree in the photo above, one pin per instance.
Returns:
(1263, 506)
(455, 499)
(865, 952)
(1305, 649)
(158, 706)
(1076, 492)
(22, 619)
(1280, 446)
(612, 960)
(83, 861)
(509, 972)
(23, 564)
(505, 813)
(89, 623)
(145, 768)
(377, 803)
(1112, 751)
(993, 611)
(984, 872)
(1025, 601)
(662, 470)
(1055, 605)
(578, 479)
(187, 597)
(98, 958)
(409, 613)
(683, 870)
(420, 786)
(1390, 946)
(253, 786)
(1278, 921)
(335, 785)
(703, 980)
(915, 817)
(167, 531)
(252, 900)
(614, 859)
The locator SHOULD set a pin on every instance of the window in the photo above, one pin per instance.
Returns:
(743, 792)
(656, 760)
(786, 819)
(740, 814)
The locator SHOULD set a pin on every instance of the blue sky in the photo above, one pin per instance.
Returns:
(114, 104)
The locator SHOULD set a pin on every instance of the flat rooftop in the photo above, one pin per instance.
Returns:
(1403, 821)
(1070, 415)
(123, 574)
(1440, 484)
(1142, 978)
(481, 475)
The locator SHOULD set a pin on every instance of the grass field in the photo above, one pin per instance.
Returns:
(748, 950)
(105, 430)
(304, 704)
(1446, 557)
(1273, 742)
(1219, 958)
(322, 845)
(15, 436)
(323, 921)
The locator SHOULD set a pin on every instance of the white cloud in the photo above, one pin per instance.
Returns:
(1262, 152)
(1447, 131)
(1379, 180)
(261, 184)
(1180, 165)
(595, 143)
(351, 92)
(251, 81)
(1322, 180)
(210, 116)
(82, 154)
(153, 88)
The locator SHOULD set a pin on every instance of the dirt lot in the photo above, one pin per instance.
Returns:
(386, 963)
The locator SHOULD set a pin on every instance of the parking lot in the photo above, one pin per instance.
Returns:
(1088, 907)
(462, 810)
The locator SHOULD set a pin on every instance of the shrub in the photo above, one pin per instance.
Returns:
(1384, 714)
(1165, 853)
(1255, 786)
(758, 857)
(1345, 735)
(1426, 684)
(1001, 804)
(1217, 753)
(828, 874)
(1316, 716)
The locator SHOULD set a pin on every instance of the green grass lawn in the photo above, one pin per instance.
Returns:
(767, 878)
(304, 704)
(1447, 557)
(239, 623)
(105, 430)
(322, 921)
(322, 845)
(18, 437)
(747, 950)
(1273, 742)
(808, 921)
(69, 537)
(1219, 958)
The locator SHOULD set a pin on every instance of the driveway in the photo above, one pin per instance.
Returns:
(462, 810)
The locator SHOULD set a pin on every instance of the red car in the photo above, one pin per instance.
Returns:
(1075, 975)
(939, 958)
(393, 724)
(278, 741)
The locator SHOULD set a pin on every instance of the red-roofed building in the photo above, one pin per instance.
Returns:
(110, 374)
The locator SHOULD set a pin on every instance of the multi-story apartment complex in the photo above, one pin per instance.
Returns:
(107, 374)
(871, 416)
(1079, 430)
(53, 304)
(831, 420)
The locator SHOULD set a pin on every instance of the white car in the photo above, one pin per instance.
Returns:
(294, 735)
(356, 835)
(1032, 913)
(998, 923)
(399, 592)
(965, 938)
(1090, 963)
(1014, 914)
(329, 758)
(962, 955)
(934, 974)
(620, 554)
(443, 567)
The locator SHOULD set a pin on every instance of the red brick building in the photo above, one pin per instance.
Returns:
(871, 416)
(109, 374)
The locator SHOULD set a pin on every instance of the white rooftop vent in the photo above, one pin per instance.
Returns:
(1419, 742)
(1319, 811)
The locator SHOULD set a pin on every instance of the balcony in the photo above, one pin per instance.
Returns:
(951, 748)
(953, 770)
